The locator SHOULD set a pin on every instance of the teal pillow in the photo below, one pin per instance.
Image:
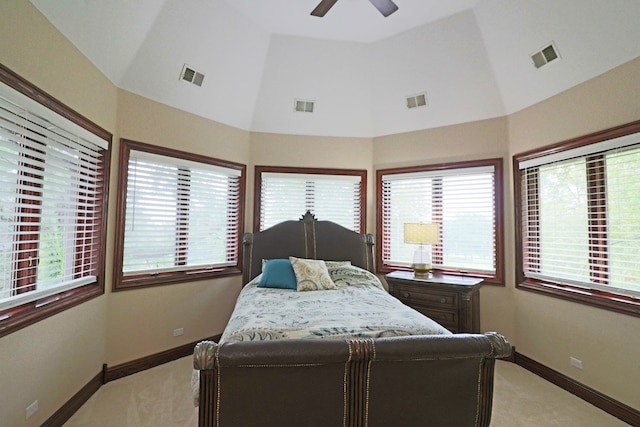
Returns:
(278, 273)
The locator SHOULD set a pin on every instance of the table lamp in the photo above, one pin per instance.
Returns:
(423, 234)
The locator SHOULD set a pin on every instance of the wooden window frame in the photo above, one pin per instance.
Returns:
(497, 163)
(612, 301)
(120, 282)
(257, 189)
(16, 318)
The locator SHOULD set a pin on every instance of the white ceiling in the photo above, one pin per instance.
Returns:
(471, 57)
(347, 20)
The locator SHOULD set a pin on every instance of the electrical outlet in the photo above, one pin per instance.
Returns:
(32, 409)
(575, 362)
(178, 332)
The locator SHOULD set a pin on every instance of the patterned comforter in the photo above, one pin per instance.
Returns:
(360, 307)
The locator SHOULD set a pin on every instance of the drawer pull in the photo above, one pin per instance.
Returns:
(406, 295)
(443, 300)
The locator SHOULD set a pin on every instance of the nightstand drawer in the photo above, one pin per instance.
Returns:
(442, 317)
(417, 295)
(447, 319)
(452, 301)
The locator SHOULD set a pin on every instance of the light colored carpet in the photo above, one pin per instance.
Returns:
(161, 397)
(523, 399)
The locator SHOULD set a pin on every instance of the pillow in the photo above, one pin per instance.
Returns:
(311, 274)
(354, 276)
(278, 273)
(337, 264)
(336, 267)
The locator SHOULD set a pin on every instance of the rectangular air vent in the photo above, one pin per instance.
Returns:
(303, 106)
(419, 100)
(192, 76)
(545, 55)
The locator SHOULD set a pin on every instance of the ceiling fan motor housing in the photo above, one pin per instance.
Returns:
(385, 7)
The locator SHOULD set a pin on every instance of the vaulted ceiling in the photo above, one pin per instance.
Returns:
(472, 58)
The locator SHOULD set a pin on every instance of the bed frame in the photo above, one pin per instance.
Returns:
(435, 380)
(306, 238)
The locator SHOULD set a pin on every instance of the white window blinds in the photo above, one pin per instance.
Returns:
(51, 178)
(287, 196)
(461, 200)
(180, 215)
(581, 216)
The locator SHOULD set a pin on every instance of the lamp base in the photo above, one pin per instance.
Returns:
(421, 270)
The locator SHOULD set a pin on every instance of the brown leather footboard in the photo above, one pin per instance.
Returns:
(435, 380)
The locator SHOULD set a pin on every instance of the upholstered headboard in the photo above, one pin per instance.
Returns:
(306, 238)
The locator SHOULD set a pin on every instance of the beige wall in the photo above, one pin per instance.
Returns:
(550, 330)
(141, 322)
(545, 329)
(51, 360)
(33, 48)
(269, 149)
(484, 139)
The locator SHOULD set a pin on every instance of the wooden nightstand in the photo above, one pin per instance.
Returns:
(452, 301)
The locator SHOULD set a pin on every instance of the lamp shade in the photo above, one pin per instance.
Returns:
(421, 233)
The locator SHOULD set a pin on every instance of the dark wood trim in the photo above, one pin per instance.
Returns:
(28, 314)
(63, 414)
(617, 302)
(518, 209)
(14, 319)
(120, 282)
(161, 279)
(147, 362)
(498, 164)
(595, 298)
(257, 193)
(594, 397)
(581, 141)
(23, 86)
(67, 410)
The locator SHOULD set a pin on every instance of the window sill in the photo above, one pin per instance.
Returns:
(14, 319)
(146, 280)
(609, 301)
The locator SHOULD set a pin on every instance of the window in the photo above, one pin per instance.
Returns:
(180, 217)
(330, 194)
(53, 174)
(463, 198)
(579, 222)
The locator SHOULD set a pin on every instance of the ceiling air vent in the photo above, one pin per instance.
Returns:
(544, 56)
(192, 76)
(419, 100)
(303, 106)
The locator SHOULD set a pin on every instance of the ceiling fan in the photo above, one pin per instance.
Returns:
(385, 7)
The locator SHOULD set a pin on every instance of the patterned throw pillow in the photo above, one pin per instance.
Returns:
(336, 264)
(350, 275)
(311, 274)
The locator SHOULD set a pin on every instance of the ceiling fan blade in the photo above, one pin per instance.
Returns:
(386, 7)
(323, 7)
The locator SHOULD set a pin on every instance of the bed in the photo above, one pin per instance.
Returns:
(328, 346)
